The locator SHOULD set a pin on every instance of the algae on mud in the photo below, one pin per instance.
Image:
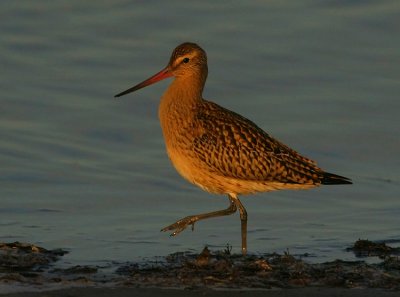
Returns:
(34, 267)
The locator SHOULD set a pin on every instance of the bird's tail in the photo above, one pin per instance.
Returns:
(334, 179)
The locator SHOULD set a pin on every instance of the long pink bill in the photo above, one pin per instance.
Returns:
(155, 78)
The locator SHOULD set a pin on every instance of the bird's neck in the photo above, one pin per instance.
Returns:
(182, 96)
(186, 89)
(179, 104)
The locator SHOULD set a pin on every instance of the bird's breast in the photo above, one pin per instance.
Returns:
(179, 127)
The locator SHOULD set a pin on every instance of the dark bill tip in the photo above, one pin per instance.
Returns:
(155, 78)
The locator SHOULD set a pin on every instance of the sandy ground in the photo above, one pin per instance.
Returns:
(137, 292)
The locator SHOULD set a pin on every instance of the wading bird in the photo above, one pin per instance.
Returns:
(219, 150)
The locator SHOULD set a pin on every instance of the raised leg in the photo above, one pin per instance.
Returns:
(181, 224)
(243, 220)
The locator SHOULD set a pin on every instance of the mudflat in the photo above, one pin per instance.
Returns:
(28, 270)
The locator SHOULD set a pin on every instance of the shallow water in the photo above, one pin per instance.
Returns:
(82, 171)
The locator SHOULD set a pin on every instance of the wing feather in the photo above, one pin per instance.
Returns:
(234, 146)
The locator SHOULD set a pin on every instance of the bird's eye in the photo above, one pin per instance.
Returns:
(186, 60)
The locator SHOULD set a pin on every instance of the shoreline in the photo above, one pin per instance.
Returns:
(149, 292)
(29, 270)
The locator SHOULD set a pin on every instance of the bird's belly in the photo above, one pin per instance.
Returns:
(189, 168)
(200, 174)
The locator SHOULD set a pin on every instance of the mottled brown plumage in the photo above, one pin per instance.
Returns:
(219, 150)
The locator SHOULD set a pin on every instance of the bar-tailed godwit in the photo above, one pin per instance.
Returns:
(219, 150)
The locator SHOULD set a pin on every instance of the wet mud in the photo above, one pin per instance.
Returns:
(29, 265)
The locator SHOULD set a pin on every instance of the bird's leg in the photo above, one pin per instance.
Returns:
(181, 224)
(243, 220)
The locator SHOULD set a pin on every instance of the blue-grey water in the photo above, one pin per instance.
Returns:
(82, 171)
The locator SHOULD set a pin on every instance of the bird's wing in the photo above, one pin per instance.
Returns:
(233, 146)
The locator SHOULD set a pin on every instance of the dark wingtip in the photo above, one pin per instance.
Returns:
(334, 179)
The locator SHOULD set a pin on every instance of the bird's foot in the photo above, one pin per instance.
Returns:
(181, 225)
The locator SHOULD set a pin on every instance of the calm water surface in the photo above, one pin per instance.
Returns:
(83, 171)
